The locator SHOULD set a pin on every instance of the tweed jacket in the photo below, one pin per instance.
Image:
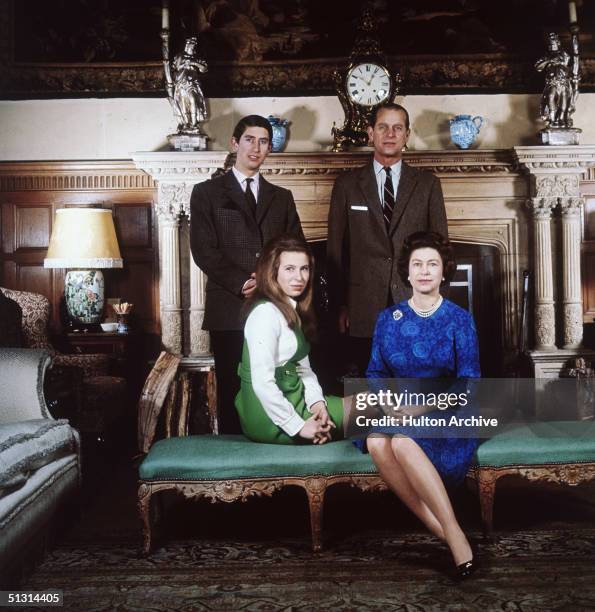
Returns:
(361, 254)
(226, 239)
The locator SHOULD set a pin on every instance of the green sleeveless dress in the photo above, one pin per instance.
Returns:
(256, 423)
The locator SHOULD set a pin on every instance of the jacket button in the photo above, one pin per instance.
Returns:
(389, 259)
(394, 285)
(257, 254)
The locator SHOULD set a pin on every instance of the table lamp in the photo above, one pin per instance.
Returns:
(84, 241)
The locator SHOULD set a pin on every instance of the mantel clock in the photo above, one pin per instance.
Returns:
(366, 83)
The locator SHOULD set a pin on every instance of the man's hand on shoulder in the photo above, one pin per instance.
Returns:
(249, 286)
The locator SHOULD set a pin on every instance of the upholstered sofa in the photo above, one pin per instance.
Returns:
(39, 458)
(101, 395)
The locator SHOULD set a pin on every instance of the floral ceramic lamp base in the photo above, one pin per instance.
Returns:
(85, 295)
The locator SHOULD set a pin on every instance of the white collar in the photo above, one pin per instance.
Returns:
(395, 168)
(292, 302)
(242, 177)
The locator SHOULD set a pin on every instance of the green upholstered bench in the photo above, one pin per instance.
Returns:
(232, 468)
(561, 452)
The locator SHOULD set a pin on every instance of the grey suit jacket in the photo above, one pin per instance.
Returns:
(226, 239)
(361, 254)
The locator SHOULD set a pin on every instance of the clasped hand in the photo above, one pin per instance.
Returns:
(318, 427)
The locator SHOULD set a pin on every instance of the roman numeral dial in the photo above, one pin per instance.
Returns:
(368, 84)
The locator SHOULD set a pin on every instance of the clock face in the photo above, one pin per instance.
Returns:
(368, 84)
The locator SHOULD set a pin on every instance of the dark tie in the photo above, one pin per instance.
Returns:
(250, 197)
(388, 199)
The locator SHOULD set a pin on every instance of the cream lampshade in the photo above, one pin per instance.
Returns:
(84, 239)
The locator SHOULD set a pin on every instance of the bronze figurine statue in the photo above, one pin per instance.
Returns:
(562, 77)
(182, 79)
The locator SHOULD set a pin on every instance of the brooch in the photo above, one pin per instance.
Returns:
(397, 314)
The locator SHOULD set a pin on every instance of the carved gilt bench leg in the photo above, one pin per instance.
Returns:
(486, 479)
(315, 489)
(144, 508)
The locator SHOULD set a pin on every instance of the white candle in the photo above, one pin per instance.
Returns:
(572, 11)
(165, 16)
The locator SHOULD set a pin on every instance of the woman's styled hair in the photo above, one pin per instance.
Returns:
(267, 287)
(431, 240)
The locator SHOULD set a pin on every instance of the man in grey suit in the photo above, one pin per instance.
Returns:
(373, 209)
(232, 217)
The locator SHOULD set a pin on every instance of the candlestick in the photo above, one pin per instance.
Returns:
(165, 15)
(572, 11)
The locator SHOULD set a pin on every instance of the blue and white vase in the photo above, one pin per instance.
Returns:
(464, 129)
(279, 132)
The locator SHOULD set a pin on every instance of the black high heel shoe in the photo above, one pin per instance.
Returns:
(467, 569)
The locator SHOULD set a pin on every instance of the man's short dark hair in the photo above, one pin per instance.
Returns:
(432, 240)
(387, 106)
(252, 121)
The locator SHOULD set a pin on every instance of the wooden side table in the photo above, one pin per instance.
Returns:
(119, 346)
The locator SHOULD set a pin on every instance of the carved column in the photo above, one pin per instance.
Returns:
(199, 339)
(176, 173)
(545, 318)
(555, 173)
(169, 274)
(572, 292)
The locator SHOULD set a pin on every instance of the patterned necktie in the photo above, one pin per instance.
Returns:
(250, 196)
(388, 200)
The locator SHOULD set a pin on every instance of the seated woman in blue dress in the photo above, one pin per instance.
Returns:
(280, 400)
(425, 337)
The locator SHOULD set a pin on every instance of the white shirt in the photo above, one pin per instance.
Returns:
(381, 177)
(271, 343)
(241, 178)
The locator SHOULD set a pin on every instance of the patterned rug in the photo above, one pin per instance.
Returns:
(257, 555)
(540, 570)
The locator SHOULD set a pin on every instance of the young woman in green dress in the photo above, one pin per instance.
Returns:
(280, 400)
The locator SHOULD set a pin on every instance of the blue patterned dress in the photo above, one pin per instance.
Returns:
(441, 346)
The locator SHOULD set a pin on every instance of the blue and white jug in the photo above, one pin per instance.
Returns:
(464, 129)
(279, 132)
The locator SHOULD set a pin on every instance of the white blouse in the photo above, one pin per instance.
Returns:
(271, 343)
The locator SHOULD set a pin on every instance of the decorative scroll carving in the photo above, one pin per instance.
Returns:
(566, 473)
(171, 330)
(545, 326)
(571, 206)
(241, 489)
(569, 474)
(541, 207)
(230, 490)
(225, 79)
(370, 483)
(199, 338)
(174, 198)
(556, 185)
(573, 325)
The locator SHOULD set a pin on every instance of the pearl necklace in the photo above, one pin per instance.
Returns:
(425, 313)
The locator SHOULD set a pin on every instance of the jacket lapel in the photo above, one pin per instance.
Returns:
(369, 187)
(404, 191)
(235, 193)
(266, 194)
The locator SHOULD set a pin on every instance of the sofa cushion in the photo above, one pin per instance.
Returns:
(26, 446)
(540, 443)
(210, 457)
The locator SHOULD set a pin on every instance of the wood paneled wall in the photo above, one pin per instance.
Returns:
(30, 193)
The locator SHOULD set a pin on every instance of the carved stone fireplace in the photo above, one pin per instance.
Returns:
(503, 199)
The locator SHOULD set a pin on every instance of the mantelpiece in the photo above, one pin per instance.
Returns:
(500, 198)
